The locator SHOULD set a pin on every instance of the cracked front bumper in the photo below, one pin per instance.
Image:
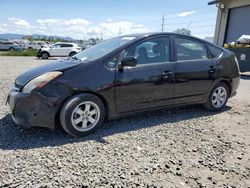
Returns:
(33, 110)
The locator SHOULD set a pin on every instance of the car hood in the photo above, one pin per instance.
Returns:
(24, 78)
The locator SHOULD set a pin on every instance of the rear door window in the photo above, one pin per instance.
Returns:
(187, 49)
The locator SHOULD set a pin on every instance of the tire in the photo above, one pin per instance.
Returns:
(72, 54)
(30, 48)
(12, 49)
(45, 55)
(218, 97)
(82, 114)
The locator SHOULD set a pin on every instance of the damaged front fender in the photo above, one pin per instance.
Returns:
(34, 110)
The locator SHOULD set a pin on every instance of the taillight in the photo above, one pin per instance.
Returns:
(237, 63)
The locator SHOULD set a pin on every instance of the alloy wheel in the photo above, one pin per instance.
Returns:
(44, 55)
(85, 116)
(219, 97)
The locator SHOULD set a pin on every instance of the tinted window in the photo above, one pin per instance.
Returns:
(154, 50)
(190, 50)
(8, 43)
(111, 64)
(56, 46)
(215, 52)
(66, 45)
(102, 49)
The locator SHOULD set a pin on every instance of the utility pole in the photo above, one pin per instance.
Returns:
(101, 35)
(162, 23)
(120, 31)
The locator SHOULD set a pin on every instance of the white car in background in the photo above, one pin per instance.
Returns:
(36, 45)
(59, 50)
(22, 43)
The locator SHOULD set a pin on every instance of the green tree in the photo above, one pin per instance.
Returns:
(183, 31)
(28, 37)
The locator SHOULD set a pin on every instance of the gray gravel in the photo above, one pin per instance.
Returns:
(188, 147)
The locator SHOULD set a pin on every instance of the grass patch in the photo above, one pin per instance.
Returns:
(19, 53)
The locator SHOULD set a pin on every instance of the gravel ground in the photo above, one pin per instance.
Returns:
(188, 147)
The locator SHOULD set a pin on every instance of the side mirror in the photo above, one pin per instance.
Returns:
(129, 61)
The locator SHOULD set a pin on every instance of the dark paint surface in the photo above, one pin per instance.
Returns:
(123, 91)
(54, 66)
(192, 80)
(144, 86)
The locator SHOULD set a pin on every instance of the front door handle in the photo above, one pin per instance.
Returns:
(211, 69)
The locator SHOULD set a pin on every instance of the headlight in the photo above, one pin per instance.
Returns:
(40, 81)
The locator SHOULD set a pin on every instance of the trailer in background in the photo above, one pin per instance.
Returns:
(243, 56)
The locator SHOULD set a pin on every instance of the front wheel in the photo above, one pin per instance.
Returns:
(218, 97)
(82, 114)
(72, 54)
(44, 55)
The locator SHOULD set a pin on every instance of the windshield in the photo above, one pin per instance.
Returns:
(102, 48)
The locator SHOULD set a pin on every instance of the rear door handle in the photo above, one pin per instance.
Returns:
(166, 74)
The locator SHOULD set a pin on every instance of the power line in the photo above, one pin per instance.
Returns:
(201, 26)
(193, 21)
(189, 25)
(154, 24)
(192, 9)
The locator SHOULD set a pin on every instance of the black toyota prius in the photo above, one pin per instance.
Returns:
(122, 76)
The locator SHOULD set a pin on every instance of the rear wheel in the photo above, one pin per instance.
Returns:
(218, 97)
(11, 49)
(44, 55)
(82, 114)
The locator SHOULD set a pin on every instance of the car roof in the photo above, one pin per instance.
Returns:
(151, 34)
(142, 35)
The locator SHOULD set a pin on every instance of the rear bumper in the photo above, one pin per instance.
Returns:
(233, 94)
(33, 110)
(38, 53)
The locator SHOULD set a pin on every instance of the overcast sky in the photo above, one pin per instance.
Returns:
(81, 19)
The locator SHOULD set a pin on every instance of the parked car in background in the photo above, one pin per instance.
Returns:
(9, 46)
(36, 45)
(123, 76)
(59, 50)
(22, 43)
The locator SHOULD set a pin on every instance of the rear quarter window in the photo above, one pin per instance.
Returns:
(215, 52)
(188, 49)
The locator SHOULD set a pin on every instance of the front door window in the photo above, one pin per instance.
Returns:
(154, 50)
